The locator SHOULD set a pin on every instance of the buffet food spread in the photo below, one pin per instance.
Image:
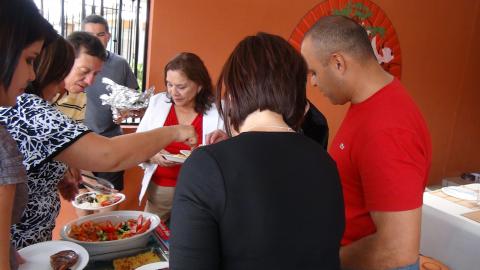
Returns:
(107, 240)
(112, 240)
(90, 231)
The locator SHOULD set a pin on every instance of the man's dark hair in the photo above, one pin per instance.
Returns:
(94, 18)
(336, 33)
(85, 42)
(52, 66)
(194, 68)
(21, 24)
(264, 72)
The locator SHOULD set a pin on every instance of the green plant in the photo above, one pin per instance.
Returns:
(360, 13)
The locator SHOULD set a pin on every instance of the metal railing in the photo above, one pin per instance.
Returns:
(127, 20)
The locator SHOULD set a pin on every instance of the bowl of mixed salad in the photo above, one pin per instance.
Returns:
(111, 231)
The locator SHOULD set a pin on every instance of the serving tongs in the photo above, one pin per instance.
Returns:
(100, 185)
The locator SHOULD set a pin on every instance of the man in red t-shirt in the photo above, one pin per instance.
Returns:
(382, 149)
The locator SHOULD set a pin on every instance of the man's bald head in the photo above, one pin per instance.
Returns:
(340, 34)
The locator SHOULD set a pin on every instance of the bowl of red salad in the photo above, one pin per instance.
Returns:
(111, 231)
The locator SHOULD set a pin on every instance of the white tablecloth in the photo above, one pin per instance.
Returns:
(447, 236)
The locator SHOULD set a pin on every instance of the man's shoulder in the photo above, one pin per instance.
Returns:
(395, 96)
(392, 105)
(79, 99)
(118, 69)
(116, 59)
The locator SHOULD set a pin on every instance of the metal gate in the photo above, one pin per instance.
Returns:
(127, 20)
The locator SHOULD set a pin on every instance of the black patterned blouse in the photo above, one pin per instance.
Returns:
(41, 133)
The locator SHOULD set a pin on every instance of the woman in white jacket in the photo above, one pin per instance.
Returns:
(188, 100)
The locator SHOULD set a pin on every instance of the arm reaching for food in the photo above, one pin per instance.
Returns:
(97, 153)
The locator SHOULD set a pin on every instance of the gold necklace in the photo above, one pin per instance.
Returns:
(288, 129)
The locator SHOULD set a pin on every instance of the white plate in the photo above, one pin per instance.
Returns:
(175, 158)
(87, 207)
(186, 153)
(460, 193)
(153, 266)
(37, 256)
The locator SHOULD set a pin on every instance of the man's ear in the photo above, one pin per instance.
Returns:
(338, 62)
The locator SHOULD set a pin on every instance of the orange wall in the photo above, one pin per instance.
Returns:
(439, 42)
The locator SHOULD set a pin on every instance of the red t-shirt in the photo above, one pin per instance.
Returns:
(383, 155)
(167, 176)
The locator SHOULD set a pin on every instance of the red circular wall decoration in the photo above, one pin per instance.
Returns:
(380, 30)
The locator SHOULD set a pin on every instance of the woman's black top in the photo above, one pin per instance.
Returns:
(260, 200)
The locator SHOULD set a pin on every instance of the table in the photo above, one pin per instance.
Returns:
(455, 181)
(447, 235)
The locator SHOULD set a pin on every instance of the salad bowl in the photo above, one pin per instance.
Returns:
(111, 231)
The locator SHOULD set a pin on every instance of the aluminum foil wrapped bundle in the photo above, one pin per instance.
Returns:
(125, 102)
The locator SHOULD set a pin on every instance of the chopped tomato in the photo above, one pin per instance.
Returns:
(145, 226)
(139, 223)
(105, 203)
(132, 224)
(147, 223)
(108, 227)
(109, 224)
(111, 236)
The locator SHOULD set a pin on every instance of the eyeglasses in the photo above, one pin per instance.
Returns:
(99, 34)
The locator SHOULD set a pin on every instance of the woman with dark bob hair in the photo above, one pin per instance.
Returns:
(267, 198)
(189, 101)
(23, 33)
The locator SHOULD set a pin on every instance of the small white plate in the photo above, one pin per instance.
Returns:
(37, 256)
(186, 153)
(87, 207)
(175, 158)
(153, 266)
(460, 193)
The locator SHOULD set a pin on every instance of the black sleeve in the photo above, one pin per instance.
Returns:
(315, 126)
(197, 207)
